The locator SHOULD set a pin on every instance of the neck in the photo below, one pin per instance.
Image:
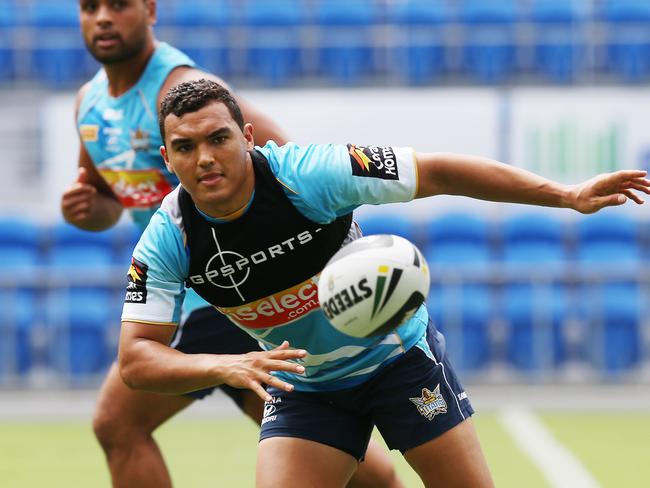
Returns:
(123, 76)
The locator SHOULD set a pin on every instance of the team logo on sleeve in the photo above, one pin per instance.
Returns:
(373, 162)
(431, 403)
(136, 288)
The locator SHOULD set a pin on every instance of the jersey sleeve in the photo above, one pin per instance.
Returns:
(156, 278)
(326, 181)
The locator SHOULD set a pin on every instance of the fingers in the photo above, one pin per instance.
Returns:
(633, 196)
(284, 366)
(82, 175)
(259, 390)
(623, 175)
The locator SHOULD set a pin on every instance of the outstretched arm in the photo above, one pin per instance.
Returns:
(486, 179)
(147, 363)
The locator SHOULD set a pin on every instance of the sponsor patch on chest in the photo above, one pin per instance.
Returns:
(278, 309)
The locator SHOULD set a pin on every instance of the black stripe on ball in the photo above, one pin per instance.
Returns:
(414, 301)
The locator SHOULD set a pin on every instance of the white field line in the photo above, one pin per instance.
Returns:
(558, 465)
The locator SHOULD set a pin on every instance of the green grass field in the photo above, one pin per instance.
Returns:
(615, 448)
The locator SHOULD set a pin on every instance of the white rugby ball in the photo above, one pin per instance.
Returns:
(373, 284)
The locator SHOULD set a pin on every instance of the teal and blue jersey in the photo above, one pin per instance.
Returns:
(121, 135)
(322, 182)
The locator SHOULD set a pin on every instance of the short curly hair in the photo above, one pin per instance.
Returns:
(192, 96)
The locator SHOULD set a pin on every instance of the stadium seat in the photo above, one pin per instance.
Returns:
(464, 312)
(78, 319)
(8, 20)
(209, 23)
(389, 223)
(418, 55)
(489, 43)
(534, 239)
(274, 39)
(19, 313)
(345, 39)
(609, 255)
(613, 312)
(559, 38)
(59, 58)
(628, 38)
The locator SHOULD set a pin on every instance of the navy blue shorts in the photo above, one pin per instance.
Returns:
(412, 400)
(206, 331)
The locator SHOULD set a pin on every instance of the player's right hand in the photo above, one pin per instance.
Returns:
(252, 370)
(78, 199)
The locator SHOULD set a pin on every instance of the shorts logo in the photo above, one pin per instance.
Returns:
(373, 162)
(136, 288)
(431, 403)
(270, 409)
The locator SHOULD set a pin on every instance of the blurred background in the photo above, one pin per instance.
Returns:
(526, 296)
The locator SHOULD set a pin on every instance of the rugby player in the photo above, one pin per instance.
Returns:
(120, 167)
(250, 228)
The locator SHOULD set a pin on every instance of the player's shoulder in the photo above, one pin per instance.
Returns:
(81, 94)
(182, 74)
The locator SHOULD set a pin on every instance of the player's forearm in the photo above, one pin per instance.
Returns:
(151, 366)
(486, 179)
(103, 214)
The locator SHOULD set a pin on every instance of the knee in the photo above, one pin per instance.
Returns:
(112, 430)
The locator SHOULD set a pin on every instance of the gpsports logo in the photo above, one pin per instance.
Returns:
(136, 288)
(278, 309)
(373, 162)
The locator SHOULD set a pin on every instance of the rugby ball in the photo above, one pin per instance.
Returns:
(373, 284)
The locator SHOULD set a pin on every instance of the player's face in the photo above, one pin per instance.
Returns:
(116, 30)
(208, 152)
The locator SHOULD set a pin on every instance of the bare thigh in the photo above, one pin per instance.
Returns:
(453, 460)
(123, 413)
(289, 461)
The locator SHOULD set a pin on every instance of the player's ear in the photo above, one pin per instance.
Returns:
(152, 9)
(163, 153)
(248, 135)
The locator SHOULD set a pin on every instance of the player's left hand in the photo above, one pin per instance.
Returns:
(608, 189)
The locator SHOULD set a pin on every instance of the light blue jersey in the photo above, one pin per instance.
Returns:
(322, 182)
(123, 139)
(122, 135)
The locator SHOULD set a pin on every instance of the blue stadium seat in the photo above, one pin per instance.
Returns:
(628, 38)
(209, 22)
(389, 223)
(559, 38)
(609, 239)
(274, 39)
(609, 252)
(614, 312)
(489, 43)
(463, 313)
(59, 57)
(536, 314)
(345, 40)
(19, 308)
(78, 319)
(8, 20)
(19, 313)
(418, 55)
(534, 239)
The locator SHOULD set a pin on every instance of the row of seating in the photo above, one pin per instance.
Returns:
(536, 313)
(534, 327)
(353, 42)
(193, 13)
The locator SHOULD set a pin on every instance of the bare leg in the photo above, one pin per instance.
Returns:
(288, 461)
(123, 423)
(453, 460)
(376, 471)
